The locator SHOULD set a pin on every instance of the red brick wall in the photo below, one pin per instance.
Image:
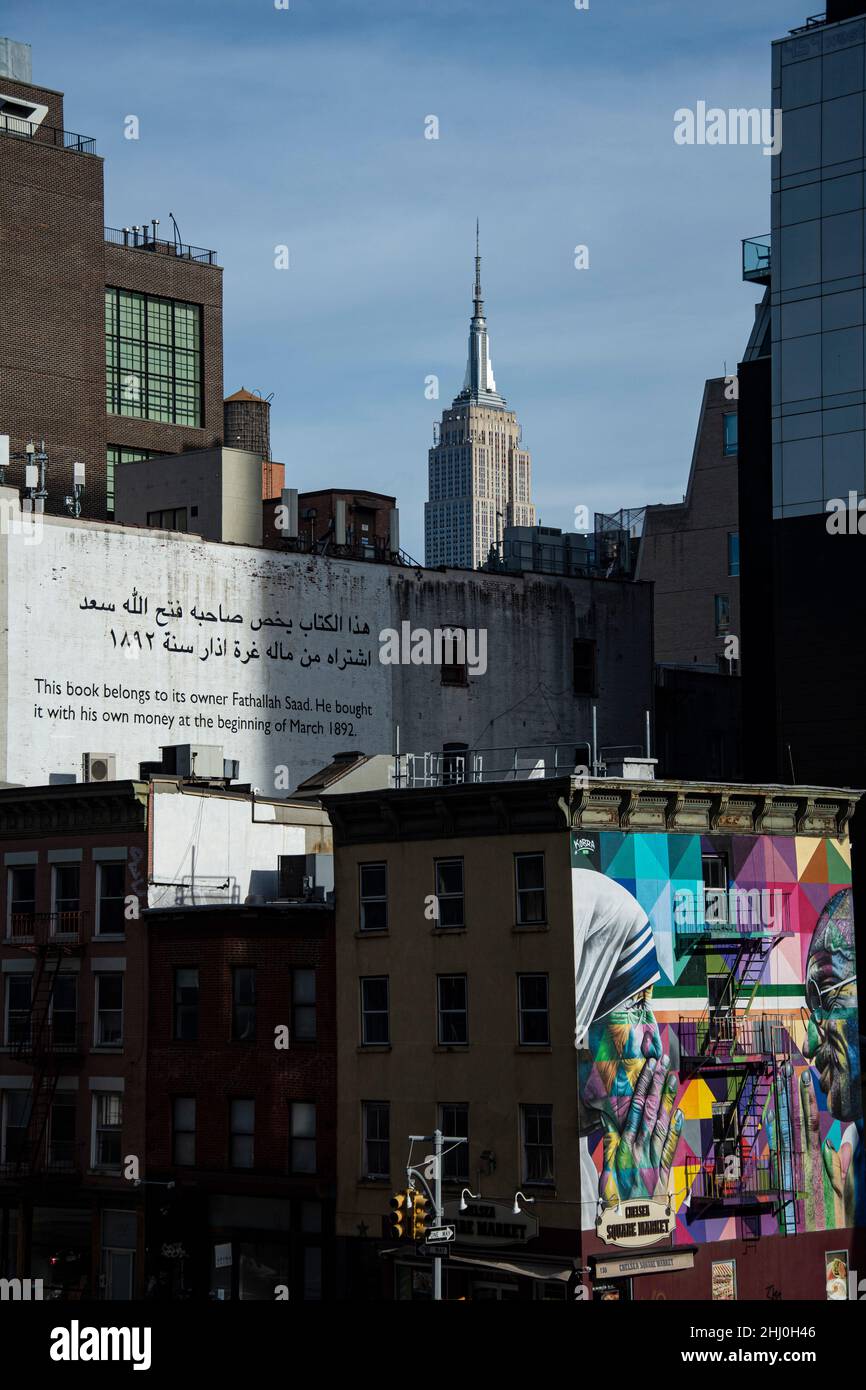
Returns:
(128, 1063)
(52, 355)
(215, 1069)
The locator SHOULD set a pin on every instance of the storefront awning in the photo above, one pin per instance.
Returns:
(526, 1269)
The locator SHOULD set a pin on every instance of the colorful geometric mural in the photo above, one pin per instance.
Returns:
(717, 1032)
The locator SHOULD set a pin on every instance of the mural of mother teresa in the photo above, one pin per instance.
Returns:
(627, 1083)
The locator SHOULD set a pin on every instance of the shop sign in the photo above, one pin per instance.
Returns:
(633, 1224)
(491, 1223)
(618, 1266)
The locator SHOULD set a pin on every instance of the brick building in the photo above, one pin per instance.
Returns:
(241, 1117)
(352, 523)
(85, 865)
(112, 339)
(73, 1035)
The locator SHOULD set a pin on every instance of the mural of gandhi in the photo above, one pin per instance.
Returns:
(627, 1083)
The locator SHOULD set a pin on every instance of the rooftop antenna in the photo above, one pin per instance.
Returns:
(177, 235)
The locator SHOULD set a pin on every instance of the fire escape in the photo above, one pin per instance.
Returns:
(51, 1044)
(738, 1174)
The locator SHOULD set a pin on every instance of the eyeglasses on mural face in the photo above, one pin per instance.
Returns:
(815, 996)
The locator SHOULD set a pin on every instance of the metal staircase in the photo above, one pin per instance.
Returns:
(49, 938)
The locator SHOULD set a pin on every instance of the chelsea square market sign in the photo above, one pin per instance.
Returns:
(635, 1223)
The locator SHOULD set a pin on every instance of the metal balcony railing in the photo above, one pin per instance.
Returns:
(732, 912)
(43, 928)
(757, 259)
(142, 238)
(63, 1156)
(57, 1039)
(760, 1179)
(46, 134)
(741, 1035)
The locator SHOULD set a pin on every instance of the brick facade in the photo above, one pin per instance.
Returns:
(215, 1069)
(54, 267)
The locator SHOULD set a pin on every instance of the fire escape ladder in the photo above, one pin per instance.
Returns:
(36, 1046)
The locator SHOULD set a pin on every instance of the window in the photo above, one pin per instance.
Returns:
(107, 1126)
(537, 1123)
(531, 897)
(243, 1003)
(168, 519)
(110, 888)
(730, 427)
(61, 1131)
(183, 1131)
(453, 1010)
(723, 614)
(22, 900)
(584, 666)
(454, 1120)
(374, 897)
(242, 1115)
(302, 1129)
(19, 989)
(16, 1120)
(109, 1010)
(533, 1010)
(303, 1005)
(714, 870)
(115, 455)
(64, 1011)
(453, 666)
(734, 554)
(153, 358)
(376, 1121)
(449, 892)
(186, 1005)
(67, 897)
(375, 1029)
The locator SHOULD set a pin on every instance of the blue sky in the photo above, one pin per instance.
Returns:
(305, 127)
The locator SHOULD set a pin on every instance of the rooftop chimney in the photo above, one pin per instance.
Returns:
(15, 60)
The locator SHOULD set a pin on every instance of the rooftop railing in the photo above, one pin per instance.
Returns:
(476, 765)
(46, 134)
(757, 259)
(141, 238)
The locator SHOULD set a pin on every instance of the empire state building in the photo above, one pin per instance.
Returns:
(480, 476)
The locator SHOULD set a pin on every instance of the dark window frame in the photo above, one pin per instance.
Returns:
(449, 896)
(524, 1009)
(532, 1116)
(445, 1016)
(372, 899)
(244, 1018)
(182, 1008)
(519, 893)
(368, 1013)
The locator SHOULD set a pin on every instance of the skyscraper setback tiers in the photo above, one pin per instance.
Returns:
(480, 476)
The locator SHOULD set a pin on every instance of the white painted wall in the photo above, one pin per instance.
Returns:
(209, 849)
(148, 693)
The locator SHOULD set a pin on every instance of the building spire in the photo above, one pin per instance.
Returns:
(478, 382)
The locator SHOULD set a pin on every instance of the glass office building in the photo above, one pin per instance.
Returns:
(817, 282)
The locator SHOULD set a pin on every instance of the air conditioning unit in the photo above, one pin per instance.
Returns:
(99, 767)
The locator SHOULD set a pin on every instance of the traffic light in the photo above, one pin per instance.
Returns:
(423, 1216)
(401, 1212)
